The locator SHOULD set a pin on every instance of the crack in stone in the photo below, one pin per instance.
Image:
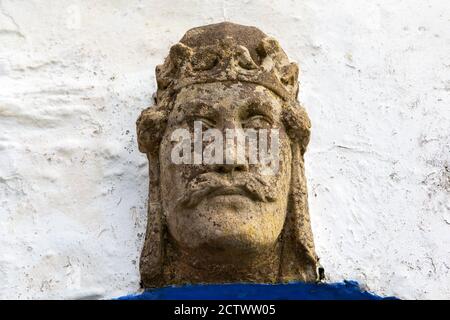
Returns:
(16, 32)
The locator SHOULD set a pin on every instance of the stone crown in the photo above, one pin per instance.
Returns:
(228, 52)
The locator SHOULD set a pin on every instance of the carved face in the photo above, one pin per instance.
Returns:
(226, 208)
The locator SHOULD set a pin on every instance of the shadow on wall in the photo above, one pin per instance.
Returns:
(347, 290)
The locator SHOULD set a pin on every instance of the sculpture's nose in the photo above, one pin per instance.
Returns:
(234, 151)
(230, 168)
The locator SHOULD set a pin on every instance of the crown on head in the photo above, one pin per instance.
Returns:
(227, 52)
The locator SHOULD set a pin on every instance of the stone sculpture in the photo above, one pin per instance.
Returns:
(226, 222)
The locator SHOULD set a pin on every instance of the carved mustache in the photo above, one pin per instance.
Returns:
(213, 184)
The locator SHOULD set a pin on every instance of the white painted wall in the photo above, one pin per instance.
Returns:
(74, 76)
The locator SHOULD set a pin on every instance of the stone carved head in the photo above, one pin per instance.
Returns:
(226, 222)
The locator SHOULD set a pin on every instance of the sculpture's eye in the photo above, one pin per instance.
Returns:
(257, 122)
(205, 122)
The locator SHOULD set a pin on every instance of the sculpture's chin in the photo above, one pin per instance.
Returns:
(227, 249)
(228, 225)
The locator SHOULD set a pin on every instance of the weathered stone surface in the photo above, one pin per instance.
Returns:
(226, 222)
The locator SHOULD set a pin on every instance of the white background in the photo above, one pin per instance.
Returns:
(74, 76)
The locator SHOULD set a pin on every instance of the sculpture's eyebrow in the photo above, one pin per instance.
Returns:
(198, 107)
(257, 105)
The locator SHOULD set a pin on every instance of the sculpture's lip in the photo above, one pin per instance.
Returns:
(229, 191)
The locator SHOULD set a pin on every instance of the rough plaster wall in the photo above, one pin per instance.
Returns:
(75, 74)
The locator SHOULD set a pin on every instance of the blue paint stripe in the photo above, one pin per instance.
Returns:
(346, 290)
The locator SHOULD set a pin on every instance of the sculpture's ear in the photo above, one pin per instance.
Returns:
(297, 124)
(150, 127)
